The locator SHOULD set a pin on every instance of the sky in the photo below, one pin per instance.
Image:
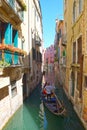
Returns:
(51, 10)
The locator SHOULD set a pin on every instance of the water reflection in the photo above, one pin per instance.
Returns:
(49, 121)
(42, 116)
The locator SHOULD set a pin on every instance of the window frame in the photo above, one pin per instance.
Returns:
(13, 88)
(80, 6)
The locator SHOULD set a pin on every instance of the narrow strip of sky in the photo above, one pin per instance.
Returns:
(51, 10)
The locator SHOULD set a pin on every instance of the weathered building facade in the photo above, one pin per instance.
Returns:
(32, 31)
(60, 52)
(11, 58)
(75, 23)
(20, 53)
(33, 44)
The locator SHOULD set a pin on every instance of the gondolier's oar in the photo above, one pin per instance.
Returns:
(58, 100)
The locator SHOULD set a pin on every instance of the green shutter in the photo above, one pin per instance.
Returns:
(64, 52)
(15, 32)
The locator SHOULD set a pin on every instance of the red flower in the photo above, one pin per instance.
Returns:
(12, 49)
(2, 46)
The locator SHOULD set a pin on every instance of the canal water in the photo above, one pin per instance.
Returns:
(33, 116)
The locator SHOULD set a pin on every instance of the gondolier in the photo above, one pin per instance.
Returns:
(49, 90)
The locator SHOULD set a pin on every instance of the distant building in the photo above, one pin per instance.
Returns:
(60, 53)
(49, 58)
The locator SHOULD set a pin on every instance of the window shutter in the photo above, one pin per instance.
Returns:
(16, 45)
(64, 53)
(8, 40)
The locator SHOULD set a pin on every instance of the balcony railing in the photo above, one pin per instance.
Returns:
(16, 9)
(17, 3)
(75, 66)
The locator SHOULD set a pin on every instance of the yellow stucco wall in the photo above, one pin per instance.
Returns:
(74, 31)
(85, 105)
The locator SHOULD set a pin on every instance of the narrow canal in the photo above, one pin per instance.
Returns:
(33, 116)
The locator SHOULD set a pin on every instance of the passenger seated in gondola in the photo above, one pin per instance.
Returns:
(48, 90)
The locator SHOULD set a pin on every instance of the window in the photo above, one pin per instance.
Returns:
(79, 50)
(13, 88)
(74, 11)
(80, 6)
(85, 82)
(73, 83)
(74, 52)
(65, 34)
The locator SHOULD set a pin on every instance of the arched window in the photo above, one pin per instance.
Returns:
(74, 11)
(80, 6)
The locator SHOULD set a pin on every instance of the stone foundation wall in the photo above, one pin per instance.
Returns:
(8, 104)
(5, 111)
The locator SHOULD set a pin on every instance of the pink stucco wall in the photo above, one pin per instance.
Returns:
(49, 55)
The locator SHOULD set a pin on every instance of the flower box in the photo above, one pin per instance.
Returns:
(12, 49)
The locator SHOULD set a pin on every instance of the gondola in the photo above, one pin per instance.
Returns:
(54, 105)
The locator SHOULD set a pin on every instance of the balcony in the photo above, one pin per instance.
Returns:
(10, 9)
(13, 52)
(13, 71)
(75, 65)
